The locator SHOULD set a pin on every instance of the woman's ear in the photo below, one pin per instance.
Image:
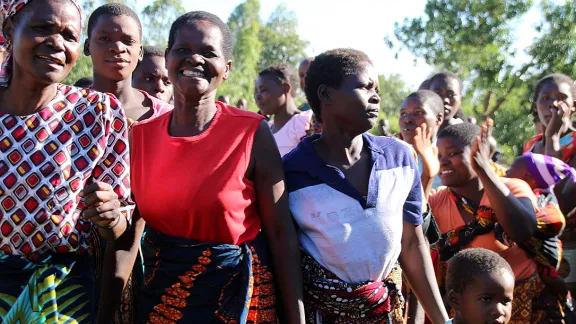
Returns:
(141, 56)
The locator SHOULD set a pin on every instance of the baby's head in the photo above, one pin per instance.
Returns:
(480, 286)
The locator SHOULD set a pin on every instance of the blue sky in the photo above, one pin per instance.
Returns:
(360, 24)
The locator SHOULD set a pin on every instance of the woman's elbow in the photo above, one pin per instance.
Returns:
(525, 230)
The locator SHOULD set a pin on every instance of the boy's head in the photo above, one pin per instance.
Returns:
(454, 145)
(224, 99)
(448, 85)
(480, 286)
(151, 74)
(275, 86)
(420, 107)
(114, 41)
(540, 171)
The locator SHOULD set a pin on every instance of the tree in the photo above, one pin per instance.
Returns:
(473, 39)
(245, 25)
(157, 18)
(553, 50)
(281, 42)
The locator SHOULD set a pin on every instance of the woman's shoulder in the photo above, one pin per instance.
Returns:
(239, 114)
(529, 145)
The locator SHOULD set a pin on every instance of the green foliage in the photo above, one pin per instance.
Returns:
(553, 50)
(245, 25)
(393, 91)
(281, 40)
(83, 68)
(258, 45)
(157, 19)
(473, 39)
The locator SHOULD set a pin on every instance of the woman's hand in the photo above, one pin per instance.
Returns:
(102, 205)
(557, 126)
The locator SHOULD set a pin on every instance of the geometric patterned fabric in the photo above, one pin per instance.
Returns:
(47, 158)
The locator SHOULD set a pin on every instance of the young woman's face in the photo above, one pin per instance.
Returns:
(46, 40)
(114, 46)
(269, 94)
(356, 104)
(551, 93)
(454, 157)
(196, 62)
(449, 90)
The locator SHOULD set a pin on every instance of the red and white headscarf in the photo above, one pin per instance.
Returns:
(10, 8)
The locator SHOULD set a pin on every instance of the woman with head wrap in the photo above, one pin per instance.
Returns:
(64, 173)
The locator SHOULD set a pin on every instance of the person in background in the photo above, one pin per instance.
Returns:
(480, 285)
(554, 99)
(64, 172)
(356, 200)
(477, 208)
(542, 173)
(224, 99)
(448, 86)
(242, 104)
(210, 213)
(421, 115)
(85, 82)
(275, 90)
(384, 128)
(114, 44)
(302, 68)
(151, 75)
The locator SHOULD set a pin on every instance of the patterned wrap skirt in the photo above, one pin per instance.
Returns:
(57, 289)
(327, 299)
(188, 281)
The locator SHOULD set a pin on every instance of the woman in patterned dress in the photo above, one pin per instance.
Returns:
(63, 168)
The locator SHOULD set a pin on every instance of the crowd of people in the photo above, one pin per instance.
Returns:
(138, 196)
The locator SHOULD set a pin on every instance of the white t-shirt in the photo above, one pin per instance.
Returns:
(292, 132)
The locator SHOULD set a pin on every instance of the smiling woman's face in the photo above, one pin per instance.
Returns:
(196, 62)
(46, 40)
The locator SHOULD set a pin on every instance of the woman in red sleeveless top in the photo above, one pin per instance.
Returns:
(208, 179)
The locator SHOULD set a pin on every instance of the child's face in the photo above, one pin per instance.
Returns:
(414, 113)
(449, 90)
(550, 94)
(486, 300)
(152, 77)
(454, 157)
(269, 94)
(115, 47)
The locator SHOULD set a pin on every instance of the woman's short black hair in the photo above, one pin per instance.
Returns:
(464, 132)
(470, 263)
(112, 9)
(446, 75)
(329, 69)
(555, 78)
(194, 16)
(284, 73)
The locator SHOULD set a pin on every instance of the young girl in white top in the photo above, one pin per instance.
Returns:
(274, 93)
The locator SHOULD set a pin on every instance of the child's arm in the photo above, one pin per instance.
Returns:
(429, 155)
(516, 215)
(418, 270)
